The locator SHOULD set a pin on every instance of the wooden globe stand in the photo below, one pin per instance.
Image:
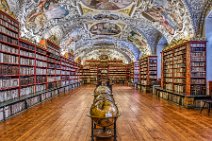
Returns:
(104, 132)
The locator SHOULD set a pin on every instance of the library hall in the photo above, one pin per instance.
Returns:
(105, 70)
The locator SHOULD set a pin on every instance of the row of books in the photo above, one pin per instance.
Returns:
(39, 50)
(9, 32)
(197, 45)
(168, 86)
(8, 95)
(65, 72)
(198, 74)
(9, 25)
(199, 69)
(196, 49)
(183, 48)
(53, 50)
(40, 79)
(27, 46)
(26, 80)
(6, 58)
(152, 68)
(198, 54)
(53, 61)
(168, 80)
(168, 75)
(27, 91)
(8, 20)
(26, 61)
(179, 80)
(179, 75)
(53, 78)
(198, 64)
(51, 65)
(179, 53)
(176, 70)
(8, 39)
(152, 72)
(25, 53)
(152, 77)
(64, 77)
(179, 65)
(9, 82)
(41, 57)
(168, 55)
(40, 71)
(179, 88)
(9, 70)
(51, 71)
(40, 87)
(26, 70)
(198, 59)
(198, 90)
(9, 49)
(41, 64)
(198, 81)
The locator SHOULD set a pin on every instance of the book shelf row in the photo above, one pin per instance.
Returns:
(27, 68)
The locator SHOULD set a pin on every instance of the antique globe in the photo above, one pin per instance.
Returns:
(104, 96)
(102, 90)
(104, 113)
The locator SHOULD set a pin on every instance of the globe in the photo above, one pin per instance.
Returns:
(103, 113)
(102, 90)
(104, 96)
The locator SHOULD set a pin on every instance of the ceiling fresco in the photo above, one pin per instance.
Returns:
(105, 28)
(136, 25)
(107, 4)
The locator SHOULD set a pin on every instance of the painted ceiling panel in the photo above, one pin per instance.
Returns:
(133, 24)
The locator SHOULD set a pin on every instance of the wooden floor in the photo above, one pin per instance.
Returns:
(143, 117)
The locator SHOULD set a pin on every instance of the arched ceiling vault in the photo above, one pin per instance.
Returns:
(135, 25)
(112, 51)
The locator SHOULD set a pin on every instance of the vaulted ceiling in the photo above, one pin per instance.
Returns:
(123, 29)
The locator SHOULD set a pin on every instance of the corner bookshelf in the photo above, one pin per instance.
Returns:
(148, 72)
(184, 73)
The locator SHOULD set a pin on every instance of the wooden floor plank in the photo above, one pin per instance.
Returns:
(144, 117)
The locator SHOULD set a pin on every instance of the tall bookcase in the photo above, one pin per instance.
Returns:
(30, 73)
(184, 72)
(148, 72)
(9, 58)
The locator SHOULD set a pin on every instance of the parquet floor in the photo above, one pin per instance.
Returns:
(143, 118)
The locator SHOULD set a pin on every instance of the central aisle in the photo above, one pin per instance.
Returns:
(143, 117)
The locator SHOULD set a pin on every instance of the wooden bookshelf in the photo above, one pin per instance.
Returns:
(118, 74)
(115, 70)
(148, 72)
(184, 72)
(30, 73)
